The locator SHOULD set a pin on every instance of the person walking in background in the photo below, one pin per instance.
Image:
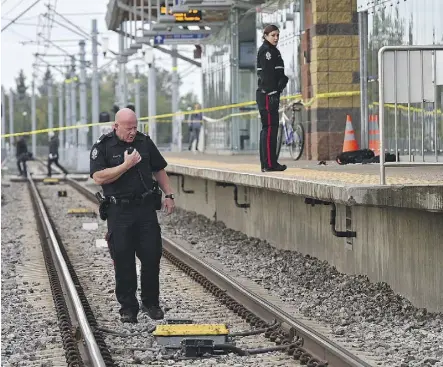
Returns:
(53, 153)
(271, 82)
(195, 124)
(22, 154)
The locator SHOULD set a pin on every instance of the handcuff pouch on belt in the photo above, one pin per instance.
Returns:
(103, 205)
(156, 195)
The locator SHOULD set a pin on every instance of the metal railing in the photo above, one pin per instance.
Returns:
(410, 76)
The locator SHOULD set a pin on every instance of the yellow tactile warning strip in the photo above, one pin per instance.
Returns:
(304, 174)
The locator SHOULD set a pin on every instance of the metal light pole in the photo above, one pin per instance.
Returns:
(73, 101)
(176, 138)
(33, 119)
(61, 134)
(11, 119)
(3, 116)
(152, 96)
(137, 92)
(50, 104)
(95, 82)
(83, 132)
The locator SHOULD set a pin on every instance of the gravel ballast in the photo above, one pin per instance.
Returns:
(30, 332)
(357, 313)
(181, 297)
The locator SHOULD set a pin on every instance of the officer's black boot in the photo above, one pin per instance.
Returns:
(128, 317)
(153, 311)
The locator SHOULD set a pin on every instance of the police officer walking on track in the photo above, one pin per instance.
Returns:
(124, 162)
(271, 82)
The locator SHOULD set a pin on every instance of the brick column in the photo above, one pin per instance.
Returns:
(330, 63)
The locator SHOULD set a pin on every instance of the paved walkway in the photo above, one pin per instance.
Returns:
(352, 174)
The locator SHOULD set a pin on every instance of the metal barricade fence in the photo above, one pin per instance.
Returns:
(411, 123)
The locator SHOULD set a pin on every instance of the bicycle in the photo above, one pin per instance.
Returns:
(294, 133)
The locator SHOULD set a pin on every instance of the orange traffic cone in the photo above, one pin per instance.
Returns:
(350, 144)
(374, 134)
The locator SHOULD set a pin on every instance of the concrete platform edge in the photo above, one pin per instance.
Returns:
(420, 197)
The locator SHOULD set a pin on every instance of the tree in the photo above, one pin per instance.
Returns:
(108, 79)
(43, 87)
(188, 100)
(21, 85)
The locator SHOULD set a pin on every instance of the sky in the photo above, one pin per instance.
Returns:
(15, 55)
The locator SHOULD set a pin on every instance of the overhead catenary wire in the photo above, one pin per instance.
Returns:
(12, 9)
(71, 23)
(66, 27)
(22, 13)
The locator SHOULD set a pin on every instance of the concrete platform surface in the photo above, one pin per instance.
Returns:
(415, 188)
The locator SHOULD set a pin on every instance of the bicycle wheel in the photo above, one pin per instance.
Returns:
(298, 142)
(279, 140)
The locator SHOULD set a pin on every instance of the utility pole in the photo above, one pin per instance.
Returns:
(60, 117)
(3, 116)
(33, 119)
(68, 108)
(82, 153)
(95, 82)
(152, 100)
(82, 132)
(176, 135)
(73, 101)
(122, 96)
(137, 92)
(50, 104)
(11, 119)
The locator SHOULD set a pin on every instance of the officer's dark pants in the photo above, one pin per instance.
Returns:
(21, 165)
(268, 135)
(134, 230)
(55, 161)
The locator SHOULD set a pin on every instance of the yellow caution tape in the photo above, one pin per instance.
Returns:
(162, 117)
(183, 113)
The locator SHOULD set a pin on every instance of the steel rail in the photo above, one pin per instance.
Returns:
(314, 342)
(94, 354)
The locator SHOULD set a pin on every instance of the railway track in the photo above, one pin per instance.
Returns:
(298, 341)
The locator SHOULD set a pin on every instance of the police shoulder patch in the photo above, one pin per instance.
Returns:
(268, 55)
(94, 153)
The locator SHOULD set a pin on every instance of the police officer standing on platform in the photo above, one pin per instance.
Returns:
(124, 162)
(271, 82)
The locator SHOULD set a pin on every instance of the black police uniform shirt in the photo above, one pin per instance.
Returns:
(109, 151)
(270, 69)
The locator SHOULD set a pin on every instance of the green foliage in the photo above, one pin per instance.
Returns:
(21, 85)
(108, 80)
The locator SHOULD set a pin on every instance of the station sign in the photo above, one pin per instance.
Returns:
(180, 39)
(191, 16)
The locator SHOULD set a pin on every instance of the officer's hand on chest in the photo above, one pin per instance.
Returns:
(131, 158)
